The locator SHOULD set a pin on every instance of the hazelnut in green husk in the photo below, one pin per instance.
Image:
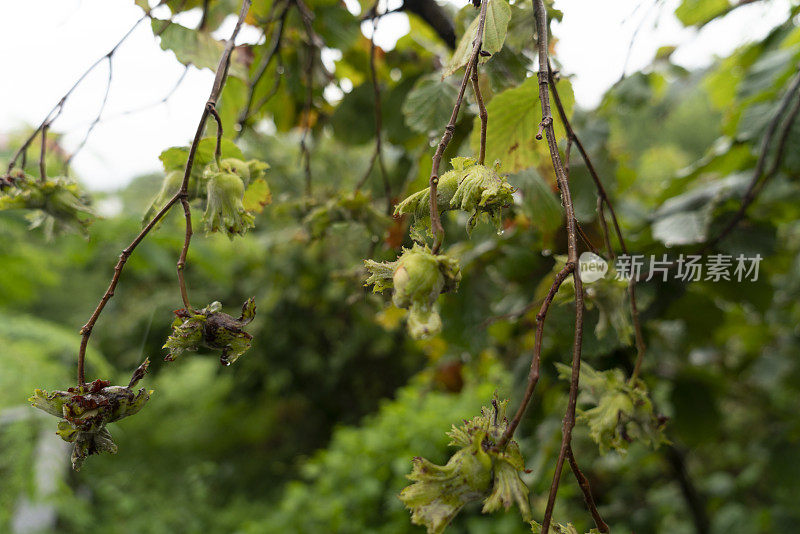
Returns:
(478, 471)
(417, 279)
(87, 409)
(248, 171)
(224, 209)
(467, 187)
(57, 204)
(212, 329)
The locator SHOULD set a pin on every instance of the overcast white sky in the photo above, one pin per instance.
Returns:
(46, 44)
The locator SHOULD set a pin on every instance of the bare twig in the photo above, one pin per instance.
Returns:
(42, 155)
(601, 214)
(481, 113)
(540, 14)
(204, 18)
(605, 200)
(583, 482)
(377, 155)
(181, 195)
(56, 111)
(263, 66)
(96, 120)
(163, 99)
(314, 42)
(533, 374)
(436, 222)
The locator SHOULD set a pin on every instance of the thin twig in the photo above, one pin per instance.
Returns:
(377, 155)
(601, 214)
(42, 155)
(533, 374)
(586, 240)
(96, 120)
(181, 195)
(163, 99)
(604, 199)
(481, 113)
(436, 223)
(314, 42)
(540, 14)
(204, 18)
(56, 111)
(263, 66)
(586, 489)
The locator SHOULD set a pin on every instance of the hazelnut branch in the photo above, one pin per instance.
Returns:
(436, 223)
(181, 195)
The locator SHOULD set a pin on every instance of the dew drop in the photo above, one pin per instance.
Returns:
(500, 231)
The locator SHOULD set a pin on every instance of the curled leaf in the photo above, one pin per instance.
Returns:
(212, 329)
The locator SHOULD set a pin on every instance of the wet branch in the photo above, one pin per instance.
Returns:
(604, 200)
(583, 482)
(181, 195)
(436, 222)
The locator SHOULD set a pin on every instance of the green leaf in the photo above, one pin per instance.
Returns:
(498, 13)
(429, 104)
(257, 196)
(175, 158)
(699, 12)
(514, 117)
(192, 47)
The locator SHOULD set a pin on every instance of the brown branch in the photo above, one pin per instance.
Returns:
(204, 18)
(181, 195)
(436, 222)
(533, 374)
(586, 240)
(586, 489)
(314, 42)
(604, 227)
(604, 199)
(42, 154)
(540, 14)
(481, 113)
